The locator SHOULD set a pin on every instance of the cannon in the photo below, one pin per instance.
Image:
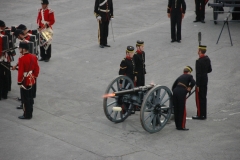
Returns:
(218, 4)
(155, 102)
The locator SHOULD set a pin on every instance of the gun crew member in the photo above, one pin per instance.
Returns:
(45, 19)
(139, 58)
(203, 67)
(28, 70)
(182, 85)
(176, 11)
(103, 11)
(127, 68)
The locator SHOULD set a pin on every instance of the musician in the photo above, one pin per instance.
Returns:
(24, 37)
(19, 34)
(5, 62)
(200, 10)
(182, 85)
(103, 11)
(28, 69)
(45, 19)
(127, 68)
(139, 58)
(3, 66)
(203, 67)
(176, 11)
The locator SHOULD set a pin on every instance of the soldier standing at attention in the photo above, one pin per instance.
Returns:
(200, 10)
(45, 19)
(127, 68)
(103, 10)
(203, 67)
(180, 88)
(28, 70)
(176, 11)
(139, 58)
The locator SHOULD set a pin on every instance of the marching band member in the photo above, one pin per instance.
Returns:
(3, 70)
(22, 34)
(103, 11)
(45, 19)
(28, 69)
(5, 63)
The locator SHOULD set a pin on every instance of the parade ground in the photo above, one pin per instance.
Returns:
(68, 120)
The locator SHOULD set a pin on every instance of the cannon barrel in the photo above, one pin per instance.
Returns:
(223, 5)
(130, 91)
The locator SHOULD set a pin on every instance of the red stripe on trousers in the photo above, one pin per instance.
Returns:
(184, 116)
(197, 102)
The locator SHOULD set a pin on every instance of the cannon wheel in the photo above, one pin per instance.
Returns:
(215, 14)
(110, 102)
(156, 108)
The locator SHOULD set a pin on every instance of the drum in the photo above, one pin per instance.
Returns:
(46, 37)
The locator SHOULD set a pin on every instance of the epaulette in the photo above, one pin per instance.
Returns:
(50, 10)
(39, 10)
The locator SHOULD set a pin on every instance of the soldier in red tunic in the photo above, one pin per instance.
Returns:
(28, 70)
(5, 61)
(45, 19)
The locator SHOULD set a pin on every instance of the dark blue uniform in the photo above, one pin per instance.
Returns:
(203, 67)
(179, 89)
(176, 8)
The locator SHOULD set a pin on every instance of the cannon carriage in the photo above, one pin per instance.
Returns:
(218, 5)
(155, 102)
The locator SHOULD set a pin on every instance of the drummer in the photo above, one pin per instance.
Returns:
(45, 19)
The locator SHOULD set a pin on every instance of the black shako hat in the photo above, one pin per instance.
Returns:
(17, 32)
(2, 24)
(22, 27)
(44, 2)
(202, 47)
(140, 42)
(188, 68)
(130, 49)
(24, 45)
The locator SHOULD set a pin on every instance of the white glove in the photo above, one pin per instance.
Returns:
(112, 18)
(99, 18)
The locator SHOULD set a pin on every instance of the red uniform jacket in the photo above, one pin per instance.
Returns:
(28, 62)
(48, 17)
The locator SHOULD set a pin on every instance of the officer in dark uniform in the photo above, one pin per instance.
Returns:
(103, 11)
(127, 68)
(200, 10)
(180, 88)
(203, 67)
(139, 58)
(176, 11)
